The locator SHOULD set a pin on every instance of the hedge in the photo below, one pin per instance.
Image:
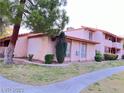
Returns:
(49, 58)
(98, 56)
(109, 56)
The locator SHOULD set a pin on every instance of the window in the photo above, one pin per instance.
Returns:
(90, 35)
(83, 50)
(4, 43)
(68, 51)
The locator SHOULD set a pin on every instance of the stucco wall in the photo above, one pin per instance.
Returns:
(81, 33)
(123, 52)
(35, 47)
(21, 47)
(40, 46)
(2, 49)
(48, 46)
(99, 37)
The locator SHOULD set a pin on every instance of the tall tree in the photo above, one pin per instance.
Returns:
(5, 30)
(3, 24)
(61, 46)
(46, 16)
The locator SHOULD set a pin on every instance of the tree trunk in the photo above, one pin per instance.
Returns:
(8, 55)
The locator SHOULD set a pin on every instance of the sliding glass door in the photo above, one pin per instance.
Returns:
(83, 50)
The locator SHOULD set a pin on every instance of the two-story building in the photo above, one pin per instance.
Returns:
(82, 44)
(78, 49)
(108, 42)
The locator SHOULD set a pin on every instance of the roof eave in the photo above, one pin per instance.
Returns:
(82, 40)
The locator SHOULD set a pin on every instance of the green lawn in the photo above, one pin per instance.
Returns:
(38, 75)
(113, 84)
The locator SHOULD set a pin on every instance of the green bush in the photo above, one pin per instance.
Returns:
(109, 56)
(49, 58)
(98, 56)
(122, 57)
(30, 57)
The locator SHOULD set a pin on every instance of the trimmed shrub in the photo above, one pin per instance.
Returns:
(30, 57)
(61, 46)
(109, 56)
(49, 58)
(98, 56)
(122, 57)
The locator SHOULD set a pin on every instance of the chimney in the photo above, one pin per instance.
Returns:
(70, 28)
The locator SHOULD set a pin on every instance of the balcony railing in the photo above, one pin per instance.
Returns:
(108, 43)
(117, 45)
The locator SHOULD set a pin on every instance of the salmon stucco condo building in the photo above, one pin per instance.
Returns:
(82, 44)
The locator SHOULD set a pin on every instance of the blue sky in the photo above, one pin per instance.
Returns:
(103, 14)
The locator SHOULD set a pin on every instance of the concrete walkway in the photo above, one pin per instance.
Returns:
(74, 85)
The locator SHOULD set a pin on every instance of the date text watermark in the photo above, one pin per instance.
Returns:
(11, 90)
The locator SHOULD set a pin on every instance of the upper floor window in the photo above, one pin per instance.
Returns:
(90, 35)
(118, 40)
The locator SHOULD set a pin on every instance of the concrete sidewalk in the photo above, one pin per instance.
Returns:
(73, 85)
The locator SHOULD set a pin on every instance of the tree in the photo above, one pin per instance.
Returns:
(46, 16)
(3, 27)
(61, 47)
